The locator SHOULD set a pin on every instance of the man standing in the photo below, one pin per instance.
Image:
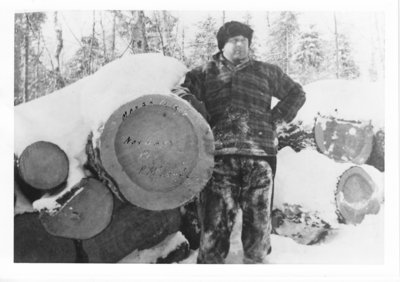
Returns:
(233, 92)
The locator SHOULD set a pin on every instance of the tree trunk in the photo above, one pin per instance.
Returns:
(18, 41)
(131, 228)
(90, 64)
(43, 165)
(113, 36)
(142, 26)
(60, 44)
(84, 211)
(339, 192)
(336, 47)
(26, 65)
(33, 244)
(105, 57)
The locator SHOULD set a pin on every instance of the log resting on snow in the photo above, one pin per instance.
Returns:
(159, 151)
(131, 228)
(32, 243)
(339, 192)
(83, 212)
(43, 165)
(344, 140)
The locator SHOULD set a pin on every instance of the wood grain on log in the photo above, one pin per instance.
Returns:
(159, 150)
(355, 196)
(32, 243)
(85, 211)
(43, 165)
(343, 140)
(132, 228)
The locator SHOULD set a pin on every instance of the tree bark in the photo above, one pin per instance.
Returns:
(33, 244)
(131, 228)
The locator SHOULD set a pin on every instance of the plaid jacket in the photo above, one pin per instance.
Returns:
(238, 100)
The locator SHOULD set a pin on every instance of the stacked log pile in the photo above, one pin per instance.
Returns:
(111, 167)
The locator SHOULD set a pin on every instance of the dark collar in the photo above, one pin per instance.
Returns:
(219, 57)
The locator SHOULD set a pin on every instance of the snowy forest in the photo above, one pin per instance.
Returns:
(55, 49)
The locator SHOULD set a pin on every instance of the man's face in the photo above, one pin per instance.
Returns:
(236, 48)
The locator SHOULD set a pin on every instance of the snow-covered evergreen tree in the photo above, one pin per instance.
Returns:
(281, 38)
(309, 55)
(348, 68)
(87, 60)
(205, 42)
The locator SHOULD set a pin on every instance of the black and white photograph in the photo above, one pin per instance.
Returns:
(262, 138)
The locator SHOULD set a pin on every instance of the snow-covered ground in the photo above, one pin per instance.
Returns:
(347, 244)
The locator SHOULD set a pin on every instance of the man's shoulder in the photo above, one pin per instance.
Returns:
(265, 66)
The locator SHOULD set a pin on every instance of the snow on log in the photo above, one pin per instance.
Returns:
(159, 150)
(173, 248)
(67, 116)
(132, 228)
(339, 192)
(83, 212)
(43, 165)
(32, 243)
(346, 99)
(344, 140)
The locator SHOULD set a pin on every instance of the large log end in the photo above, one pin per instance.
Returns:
(159, 150)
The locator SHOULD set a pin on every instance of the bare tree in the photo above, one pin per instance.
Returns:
(337, 46)
(26, 63)
(60, 44)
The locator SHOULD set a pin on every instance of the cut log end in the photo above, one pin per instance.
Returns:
(86, 211)
(43, 165)
(159, 150)
(343, 140)
(356, 196)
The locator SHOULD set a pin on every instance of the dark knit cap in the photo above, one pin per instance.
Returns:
(231, 29)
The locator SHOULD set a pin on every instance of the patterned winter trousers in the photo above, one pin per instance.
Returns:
(237, 182)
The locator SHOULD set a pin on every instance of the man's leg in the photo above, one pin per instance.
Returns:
(255, 202)
(217, 212)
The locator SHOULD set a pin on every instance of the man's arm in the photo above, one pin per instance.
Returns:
(192, 90)
(291, 95)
